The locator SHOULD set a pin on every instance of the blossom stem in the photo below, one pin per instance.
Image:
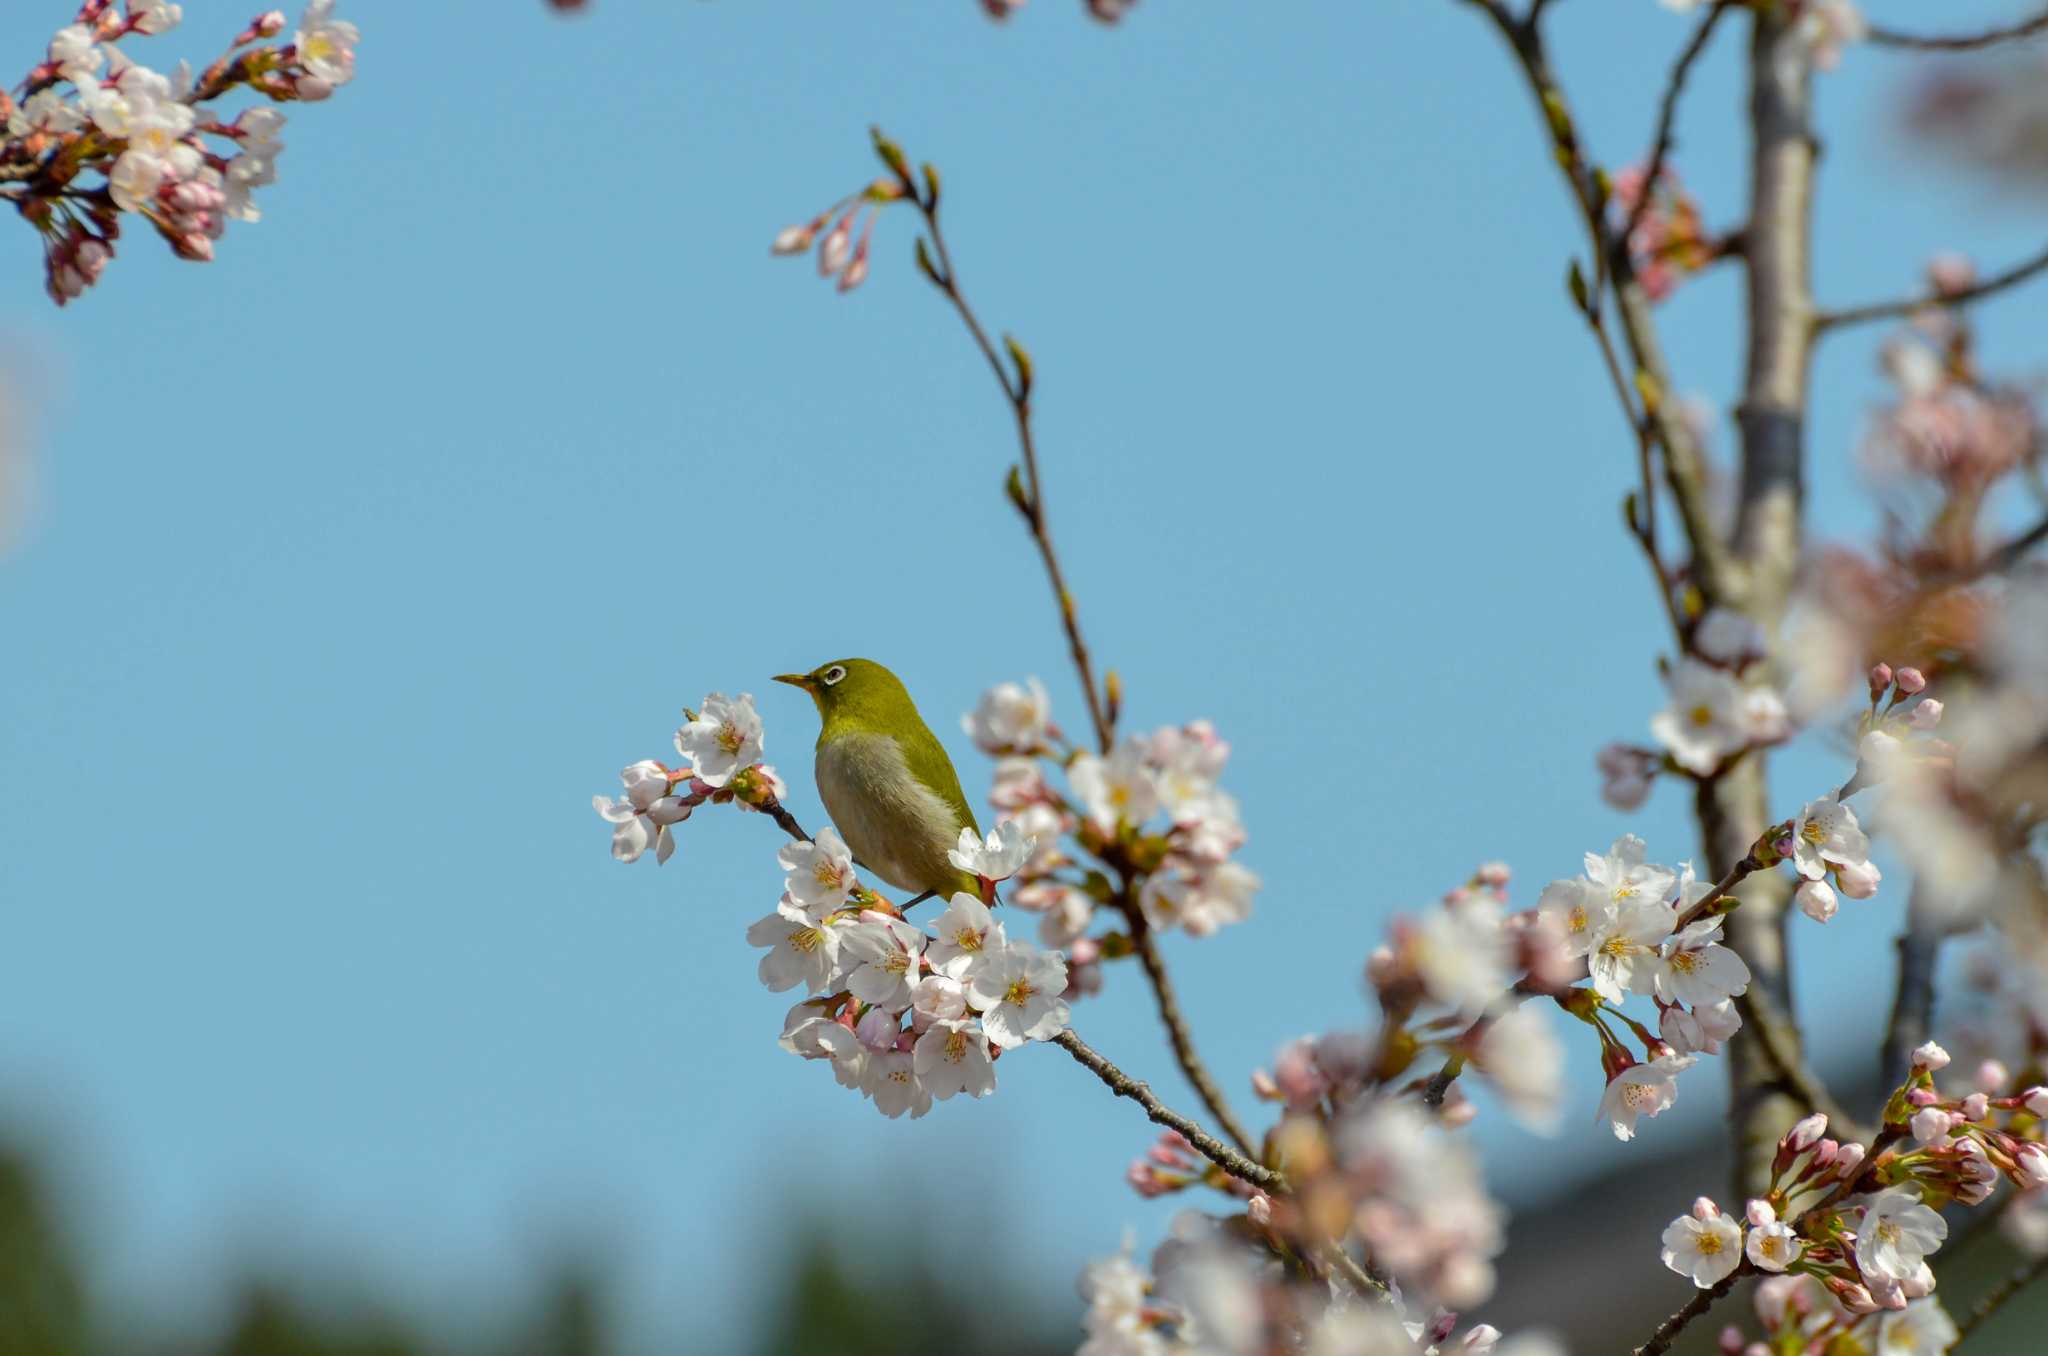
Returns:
(2000, 1293)
(1667, 1331)
(1956, 42)
(1031, 501)
(1891, 310)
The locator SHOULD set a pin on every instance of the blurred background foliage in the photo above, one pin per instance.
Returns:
(829, 1292)
(831, 1296)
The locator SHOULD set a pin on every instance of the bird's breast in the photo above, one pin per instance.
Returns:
(897, 827)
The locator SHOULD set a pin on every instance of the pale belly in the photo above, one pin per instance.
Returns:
(896, 828)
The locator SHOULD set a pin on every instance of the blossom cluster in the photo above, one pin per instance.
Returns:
(1145, 831)
(1210, 1291)
(90, 111)
(1669, 241)
(1719, 707)
(903, 1015)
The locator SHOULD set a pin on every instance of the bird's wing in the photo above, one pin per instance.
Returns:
(928, 762)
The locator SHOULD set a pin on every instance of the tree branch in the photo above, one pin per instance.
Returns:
(1999, 1294)
(1029, 496)
(1215, 1150)
(1957, 42)
(1913, 1006)
(1177, 1033)
(1660, 1340)
(1892, 310)
(1685, 464)
(1667, 114)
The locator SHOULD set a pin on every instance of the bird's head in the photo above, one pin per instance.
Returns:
(848, 686)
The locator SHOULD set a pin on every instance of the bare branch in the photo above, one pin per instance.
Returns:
(1667, 1331)
(1029, 497)
(1215, 1150)
(1957, 42)
(1913, 1007)
(1667, 115)
(1177, 1033)
(1893, 310)
(2000, 1293)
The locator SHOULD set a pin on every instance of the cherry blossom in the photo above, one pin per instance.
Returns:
(1705, 1247)
(1017, 991)
(1011, 718)
(1641, 1090)
(999, 856)
(967, 935)
(722, 738)
(1897, 1233)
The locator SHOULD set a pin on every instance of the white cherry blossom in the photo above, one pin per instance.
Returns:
(327, 45)
(820, 872)
(800, 951)
(724, 737)
(1696, 970)
(891, 1080)
(884, 954)
(1705, 722)
(1825, 836)
(952, 1057)
(1897, 1233)
(1706, 1250)
(1017, 991)
(1011, 718)
(965, 936)
(998, 857)
(1641, 1090)
(1119, 789)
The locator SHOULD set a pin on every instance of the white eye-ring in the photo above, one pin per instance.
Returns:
(834, 674)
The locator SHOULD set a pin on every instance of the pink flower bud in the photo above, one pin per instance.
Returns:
(1260, 1209)
(1930, 1124)
(1480, 1339)
(1925, 715)
(1853, 1297)
(837, 249)
(2036, 1101)
(856, 273)
(1910, 681)
(268, 25)
(1919, 1097)
(1458, 1110)
(1824, 1153)
(1849, 1160)
(1759, 1213)
(1381, 967)
(1880, 679)
(1992, 1075)
(313, 89)
(1949, 274)
(195, 246)
(1731, 1341)
(1705, 1209)
(1807, 1133)
(1858, 880)
(2033, 1161)
(1930, 1057)
(1816, 900)
(1976, 1107)
(792, 240)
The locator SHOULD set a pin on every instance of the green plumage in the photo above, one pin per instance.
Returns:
(885, 778)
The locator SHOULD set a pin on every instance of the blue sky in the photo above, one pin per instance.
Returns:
(357, 560)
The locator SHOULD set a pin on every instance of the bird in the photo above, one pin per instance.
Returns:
(885, 778)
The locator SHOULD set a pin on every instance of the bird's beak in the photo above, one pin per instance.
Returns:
(802, 680)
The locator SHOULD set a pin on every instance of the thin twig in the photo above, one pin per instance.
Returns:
(1017, 390)
(1892, 310)
(1999, 1294)
(1660, 1340)
(1215, 1150)
(1956, 42)
(1177, 1032)
(787, 821)
(1667, 115)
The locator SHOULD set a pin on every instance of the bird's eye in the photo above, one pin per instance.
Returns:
(833, 674)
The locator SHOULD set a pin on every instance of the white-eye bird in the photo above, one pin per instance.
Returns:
(885, 778)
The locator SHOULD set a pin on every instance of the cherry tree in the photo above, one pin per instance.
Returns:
(1351, 1214)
